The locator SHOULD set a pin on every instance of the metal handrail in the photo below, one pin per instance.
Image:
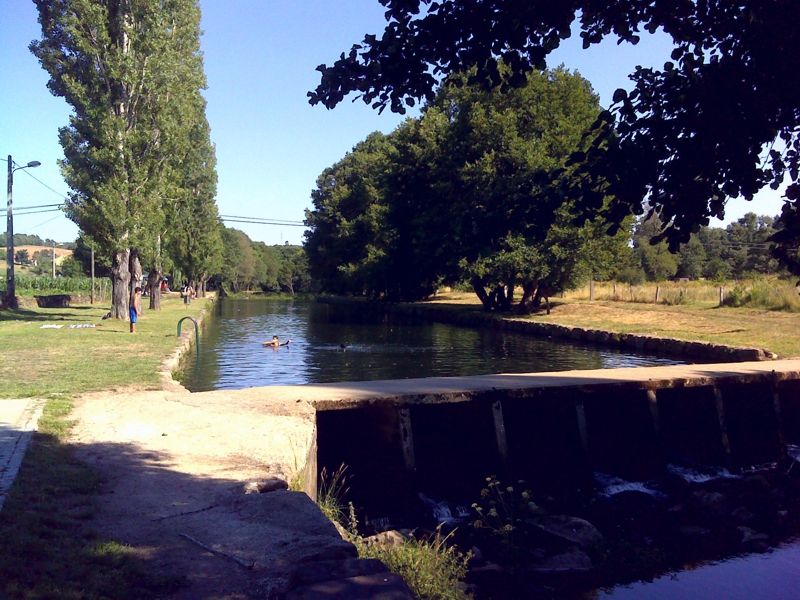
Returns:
(196, 331)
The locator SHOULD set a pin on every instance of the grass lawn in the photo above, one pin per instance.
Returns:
(47, 549)
(774, 330)
(40, 362)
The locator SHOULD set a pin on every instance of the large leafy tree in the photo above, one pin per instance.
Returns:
(720, 120)
(129, 69)
(464, 191)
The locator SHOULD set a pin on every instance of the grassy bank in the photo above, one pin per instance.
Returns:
(699, 320)
(47, 549)
(39, 362)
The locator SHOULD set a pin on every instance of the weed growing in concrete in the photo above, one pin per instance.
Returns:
(332, 488)
(431, 567)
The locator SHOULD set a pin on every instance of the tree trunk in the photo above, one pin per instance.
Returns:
(201, 288)
(136, 273)
(528, 290)
(154, 278)
(154, 281)
(480, 291)
(120, 285)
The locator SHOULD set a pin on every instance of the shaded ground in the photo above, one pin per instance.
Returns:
(173, 466)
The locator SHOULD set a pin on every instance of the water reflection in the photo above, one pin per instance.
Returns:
(375, 347)
(774, 575)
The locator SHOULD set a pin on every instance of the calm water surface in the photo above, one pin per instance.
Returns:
(377, 347)
(774, 575)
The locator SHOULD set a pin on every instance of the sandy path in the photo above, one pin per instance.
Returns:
(174, 464)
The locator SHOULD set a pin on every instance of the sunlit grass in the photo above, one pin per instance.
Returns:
(39, 362)
(696, 320)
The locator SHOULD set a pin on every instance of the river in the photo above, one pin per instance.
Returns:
(340, 343)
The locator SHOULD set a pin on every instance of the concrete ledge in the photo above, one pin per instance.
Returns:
(438, 390)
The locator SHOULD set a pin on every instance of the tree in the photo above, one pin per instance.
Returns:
(467, 190)
(345, 241)
(22, 257)
(692, 259)
(127, 68)
(720, 120)
(239, 265)
(655, 257)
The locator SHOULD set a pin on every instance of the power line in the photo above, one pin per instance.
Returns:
(18, 208)
(261, 222)
(36, 212)
(32, 176)
(267, 219)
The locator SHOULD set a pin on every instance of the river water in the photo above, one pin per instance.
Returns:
(339, 343)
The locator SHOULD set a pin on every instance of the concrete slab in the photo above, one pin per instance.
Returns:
(18, 420)
(335, 396)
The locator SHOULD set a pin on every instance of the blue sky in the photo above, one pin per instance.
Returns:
(260, 57)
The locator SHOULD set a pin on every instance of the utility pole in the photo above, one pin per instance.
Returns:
(11, 284)
(91, 297)
(54, 260)
(11, 288)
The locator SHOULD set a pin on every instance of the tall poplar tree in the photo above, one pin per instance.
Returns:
(130, 70)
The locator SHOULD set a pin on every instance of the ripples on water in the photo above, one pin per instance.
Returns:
(377, 347)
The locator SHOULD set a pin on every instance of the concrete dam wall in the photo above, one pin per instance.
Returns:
(445, 435)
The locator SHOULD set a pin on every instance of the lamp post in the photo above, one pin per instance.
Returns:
(11, 287)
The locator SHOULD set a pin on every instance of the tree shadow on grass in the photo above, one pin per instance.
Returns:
(113, 520)
(30, 315)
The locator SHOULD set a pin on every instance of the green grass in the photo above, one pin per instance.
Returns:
(775, 330)
(431, 568)
(40, 362)
(46, 550)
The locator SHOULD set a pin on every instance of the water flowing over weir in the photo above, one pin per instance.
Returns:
(557, 429)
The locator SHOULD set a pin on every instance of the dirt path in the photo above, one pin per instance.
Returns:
(174, 466)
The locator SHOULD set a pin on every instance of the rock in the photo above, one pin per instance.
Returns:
(693, 531)
(475, 556)
(489, 576)
(326, 570)
(379, 586)
(265, 486)
(742, 515)
(387, 538)
(713, 502)
(54, 301)
(572, 562)
(570, 529)
(754, 541)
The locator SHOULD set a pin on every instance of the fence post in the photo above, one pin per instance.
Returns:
(721, 295)
(658, 294)
(591, 289)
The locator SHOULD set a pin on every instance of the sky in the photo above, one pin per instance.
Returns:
(260, 59)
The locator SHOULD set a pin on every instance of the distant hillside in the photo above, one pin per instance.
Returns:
(61, 253)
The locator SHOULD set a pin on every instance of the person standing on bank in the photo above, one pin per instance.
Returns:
(135, 308)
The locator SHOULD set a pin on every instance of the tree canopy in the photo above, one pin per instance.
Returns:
(720, 120)
(138, 158)
(466, 192)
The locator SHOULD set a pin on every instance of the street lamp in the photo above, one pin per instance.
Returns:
(11, 287)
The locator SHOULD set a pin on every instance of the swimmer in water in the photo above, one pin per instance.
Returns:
(275, 342)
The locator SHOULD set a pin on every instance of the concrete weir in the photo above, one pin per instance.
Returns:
(445, 434)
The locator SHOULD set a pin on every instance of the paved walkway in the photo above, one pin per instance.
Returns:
(18, 419)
